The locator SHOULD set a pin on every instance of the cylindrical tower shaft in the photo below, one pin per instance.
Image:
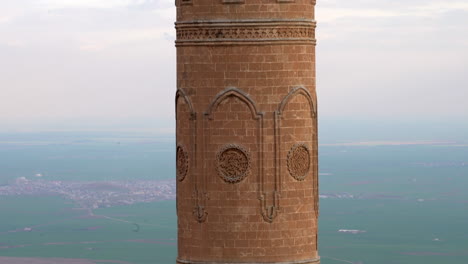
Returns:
(246, 110)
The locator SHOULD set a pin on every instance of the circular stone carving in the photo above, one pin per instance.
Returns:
(182, 163)
(233, 163)
(299, 161)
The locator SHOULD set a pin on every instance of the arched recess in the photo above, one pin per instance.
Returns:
(233, 92)
(181, 94)
(232, 120)
(296, 128)
(294, 92)
(186, 118)
(186, 138)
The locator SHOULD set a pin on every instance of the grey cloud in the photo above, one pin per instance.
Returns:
(95, 64)
(381, 4)
(118, 63)
(401, 66)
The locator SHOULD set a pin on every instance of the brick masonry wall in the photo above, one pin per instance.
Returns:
(247, 169)
(244, 9)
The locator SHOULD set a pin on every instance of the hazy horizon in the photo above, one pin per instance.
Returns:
(331, 131)
(110, 64)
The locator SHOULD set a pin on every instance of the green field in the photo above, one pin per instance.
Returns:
(61, 231)
(411, 201)
(414, 210)
(395, 230)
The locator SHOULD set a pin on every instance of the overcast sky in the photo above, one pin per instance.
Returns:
(97, 64)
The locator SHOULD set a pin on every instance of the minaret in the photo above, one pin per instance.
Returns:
(246, 110)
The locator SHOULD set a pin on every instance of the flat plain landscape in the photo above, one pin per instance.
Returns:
(406, 203)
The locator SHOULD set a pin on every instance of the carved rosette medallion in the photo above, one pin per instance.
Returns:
(233, 163)
(299, 161)
(182, 163)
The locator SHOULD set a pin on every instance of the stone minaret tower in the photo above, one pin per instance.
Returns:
(246, 110)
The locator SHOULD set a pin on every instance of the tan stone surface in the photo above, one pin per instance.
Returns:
(247, 9)
(251, 91)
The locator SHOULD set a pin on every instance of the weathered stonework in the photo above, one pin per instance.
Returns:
(245, 32)
(182, 163)
(246, 112)
(299, 161)
(233, 163)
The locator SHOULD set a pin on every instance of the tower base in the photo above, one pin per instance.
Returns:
(308, 261)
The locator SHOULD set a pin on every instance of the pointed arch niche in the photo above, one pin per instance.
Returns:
(185, 129)
(297, 151)
(233, 128)
(186, 159)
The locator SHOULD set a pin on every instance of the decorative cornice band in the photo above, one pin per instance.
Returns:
(245, 32)
(253, 20)
(309, 261)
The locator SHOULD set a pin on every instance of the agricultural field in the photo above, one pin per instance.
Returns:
(386, 204)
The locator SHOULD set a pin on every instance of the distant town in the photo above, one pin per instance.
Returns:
(103, 194)
(92, 195)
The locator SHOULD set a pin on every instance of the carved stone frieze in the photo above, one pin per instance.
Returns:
(299, 161)
(233, 163)
(182, 163)
(245, 32)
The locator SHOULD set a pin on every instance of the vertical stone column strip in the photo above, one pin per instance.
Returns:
(316, 178)
(193, 164)
(316, 146)
(201, 194)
